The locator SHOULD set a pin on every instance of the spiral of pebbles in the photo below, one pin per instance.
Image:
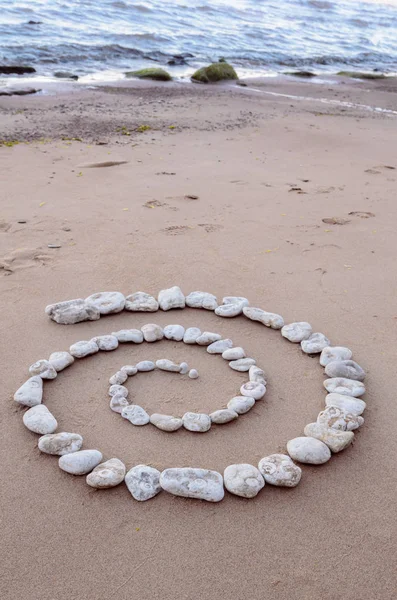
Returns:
(332, 432)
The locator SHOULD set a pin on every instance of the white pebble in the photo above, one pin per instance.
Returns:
(107, 474)
(193, 374)
(167, 365)
(183, 368)
(224, 415)
(43, 368)
(129, 335)
(345, 368)
(335, 439)
(129, 370)
(219, 346)
(39, 420)
(166, 422)
(116, 389)
(31, 392)
(235, 300)
(242, 364)
(174, 332)
(336, 418)
(171, 298)
(72, 311)
(117, 403)
(241, 404)
(106, 342)
(278, 469)
(135, 414)
(315, 343)
(197, 422)
(229, 310)
(143, 482)
(152, 332)
(83, 348)
(107, 302)
(60, 443)
(145, 365)
(188, 482)
(266, 318)
(296, 332)
(207, 338)
(201, 300)
(141, 302)
(347, 387)
(331, 353)
(308, 450)
(257, 375)
(81, 462)
(60, 360)
(243, 480)
(191, 335)
(253, 389)
(118, 378)
(233, 353)
(347, 403)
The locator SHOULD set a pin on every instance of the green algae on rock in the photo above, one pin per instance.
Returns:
(152, 73)
(216, 72)
(360, 75)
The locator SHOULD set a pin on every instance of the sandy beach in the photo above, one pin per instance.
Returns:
(223, 189)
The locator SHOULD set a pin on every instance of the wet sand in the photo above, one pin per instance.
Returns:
(267, 170)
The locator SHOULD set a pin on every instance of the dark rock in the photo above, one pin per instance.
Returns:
(65, 75)
(15, 70)
(307, 74)
(360, 75)
(18, 92)
(34, 23)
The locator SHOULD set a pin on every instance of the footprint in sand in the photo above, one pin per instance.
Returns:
(176, 229)
(107, 163)
(361, 214)
(210, 227)
(23, 258)
(154, 204)
(335, 221)
(4, 226)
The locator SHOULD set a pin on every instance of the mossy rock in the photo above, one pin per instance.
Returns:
(359, 75)
(219, 71)
(154, 73)
(307, 74)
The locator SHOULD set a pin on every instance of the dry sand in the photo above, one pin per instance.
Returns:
(266, 170)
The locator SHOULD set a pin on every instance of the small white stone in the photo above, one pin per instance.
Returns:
(266, 318)
(135, 414)
(233, 353)
(243, 480)
(191, 335)
(129, 370)
(229, 310)
(43, 368)
(106, 342)
(72, 311)
(188, 482)
(152, 332)
(235, 300)
(242, 364)
(336, 418)
(241, 404)
(118, 378)
(141, 302)
(315, 343)
(31, 392)
(201, 300)
(81, 462)
(331, 353)
(83, 348)
(345, 368)
(335, 439)
(219, 346)
(107, 474)
(257, 375)
(166, 422)
(347, 387)
(296, 332)
(107, 302)
(171, 298)
(308, 450)
(193, 374)
(183, 368)
(174, 332)
(129, 335)
(347, 403)
(278, 469)
(60, 443)
(143, 482)
(224, 415)
(145, 365)
(119, 390)
(39, 420)
(253, 389)
(207, 338)
(197, 422)
(117, 403)
(167, 365)
(60, 360)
